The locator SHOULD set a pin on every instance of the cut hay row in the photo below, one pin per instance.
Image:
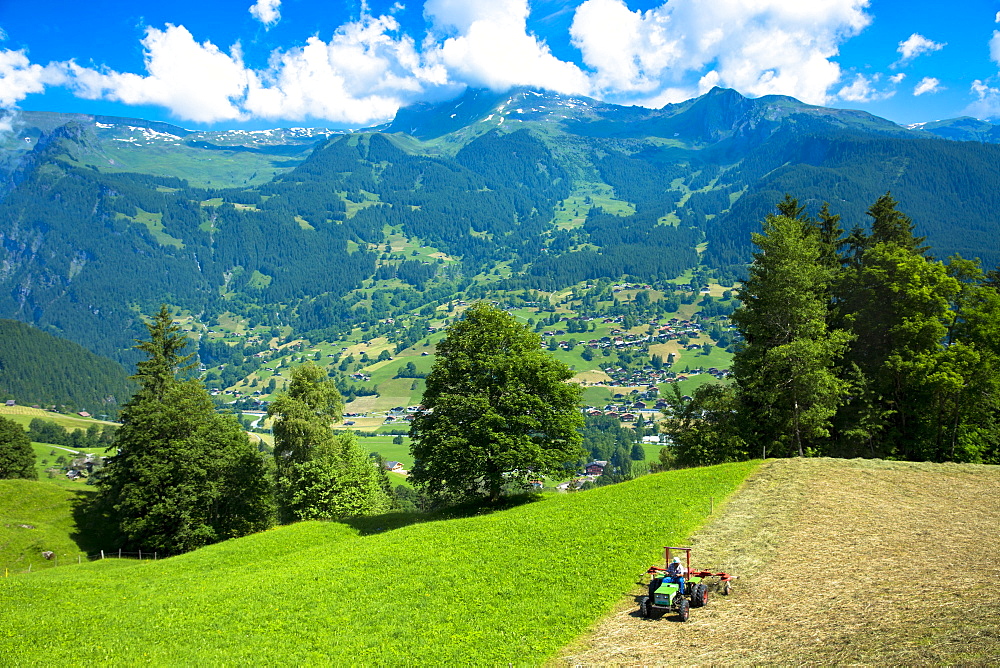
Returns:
(841, 562)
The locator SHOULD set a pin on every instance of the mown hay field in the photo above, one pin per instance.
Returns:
(842, 562)
(510, 587)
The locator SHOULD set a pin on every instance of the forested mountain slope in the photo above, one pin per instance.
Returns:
(38, 368)
(104, 218)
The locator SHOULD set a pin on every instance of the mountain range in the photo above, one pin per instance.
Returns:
(102, 218)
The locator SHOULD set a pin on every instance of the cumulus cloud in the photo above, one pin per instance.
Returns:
(368, 67)
(987, 103)
(363, 74)
(927, 85)
(995, 47)
(19, 77)
(266, 11)
(486, 43)
(768, 46)
(865, 89)
(915, 45)
(196, 81)
(896, 78)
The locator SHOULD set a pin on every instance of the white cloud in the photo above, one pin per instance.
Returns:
(987, 104)
(486, 43)
(767, 46)
(915, 45)
(19, 77)
(368, 68)
(995, 47)
(927, 85)
(266, 11)
(195, 81)
(864, 89)
(897, 78)
(363, 74)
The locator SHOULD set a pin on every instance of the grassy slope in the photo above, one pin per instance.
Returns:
(49, 509)
(23, 415)
(431, 593)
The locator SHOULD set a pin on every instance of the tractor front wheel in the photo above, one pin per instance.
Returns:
(644, 607)
(654, 584)
(683, 609)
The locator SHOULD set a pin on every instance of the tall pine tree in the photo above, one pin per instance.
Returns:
(787, 384)
(184, 476)
(895, 301)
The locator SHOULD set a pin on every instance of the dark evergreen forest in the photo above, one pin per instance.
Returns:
(38, 368)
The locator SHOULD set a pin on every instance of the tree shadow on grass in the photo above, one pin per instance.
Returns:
(95, 531)
(380, 523)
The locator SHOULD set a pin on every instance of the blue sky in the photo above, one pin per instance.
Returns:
(266, 63)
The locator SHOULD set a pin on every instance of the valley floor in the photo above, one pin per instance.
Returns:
(841, 562)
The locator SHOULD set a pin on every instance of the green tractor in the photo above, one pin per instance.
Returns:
(669, 591)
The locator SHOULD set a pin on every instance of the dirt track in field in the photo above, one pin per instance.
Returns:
(847, 562)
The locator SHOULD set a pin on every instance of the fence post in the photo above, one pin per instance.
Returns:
(119, 553)
(154, 555)
(102, 555)
(29, 568)
(79, 559)
(140, 554)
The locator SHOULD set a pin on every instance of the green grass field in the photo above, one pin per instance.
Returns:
(54, 513)
(436, 592)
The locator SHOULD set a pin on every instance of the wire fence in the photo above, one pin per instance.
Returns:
(51, 560)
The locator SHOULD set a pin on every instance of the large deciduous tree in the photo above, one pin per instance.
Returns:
(184, 476)
(321, 474)
(17, 459)
(497, 410)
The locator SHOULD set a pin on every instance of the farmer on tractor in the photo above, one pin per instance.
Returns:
(676, 573)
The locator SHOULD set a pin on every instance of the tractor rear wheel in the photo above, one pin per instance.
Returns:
(644, 609)
(683, 609)
(699, 596)
(654, 584)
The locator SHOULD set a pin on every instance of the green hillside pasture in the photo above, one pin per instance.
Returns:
(46, 455)
(508, 587)
(23, 415)
(50, 510)
(389, 450)
(200, 167)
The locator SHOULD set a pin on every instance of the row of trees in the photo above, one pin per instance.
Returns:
(499, 413)
(185, 476)
(856, 345)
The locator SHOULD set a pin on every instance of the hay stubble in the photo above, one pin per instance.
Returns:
(841, 562)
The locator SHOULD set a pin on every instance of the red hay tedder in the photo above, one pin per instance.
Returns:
(679, 590)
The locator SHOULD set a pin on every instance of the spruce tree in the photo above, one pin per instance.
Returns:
(787, 385)
(896, 302)
(184, 476)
